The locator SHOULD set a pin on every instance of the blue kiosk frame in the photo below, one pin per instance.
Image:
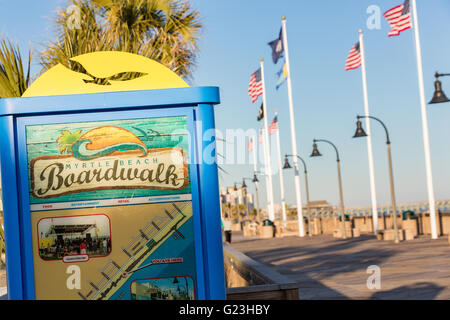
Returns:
(196, 103)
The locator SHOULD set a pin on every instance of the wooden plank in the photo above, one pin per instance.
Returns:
(327, 268)
(262, 292)
(274, 286)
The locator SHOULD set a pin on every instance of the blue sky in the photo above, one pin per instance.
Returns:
(326, 98)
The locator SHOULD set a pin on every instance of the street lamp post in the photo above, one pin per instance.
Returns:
(288, 166)
(439, 95)
(360, 133)
(236, 203)
(186, 287)
(256, 192)
(255, 181)
(316, 153)
(230, 210)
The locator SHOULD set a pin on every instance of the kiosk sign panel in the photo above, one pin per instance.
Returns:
(106, 193)
(111, 209)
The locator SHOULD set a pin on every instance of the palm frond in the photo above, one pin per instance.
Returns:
(14, 80)
(163, 30)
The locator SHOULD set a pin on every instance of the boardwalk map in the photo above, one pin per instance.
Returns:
(111, 210)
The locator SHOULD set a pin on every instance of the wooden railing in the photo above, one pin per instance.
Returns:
(2, 244)
(248, 279)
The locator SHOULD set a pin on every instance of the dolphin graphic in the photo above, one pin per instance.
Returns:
(80, 152)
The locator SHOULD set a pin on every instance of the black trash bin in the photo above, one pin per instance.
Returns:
(346, 217)
(408, 215)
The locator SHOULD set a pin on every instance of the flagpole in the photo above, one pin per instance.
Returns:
(269, 191)
(369, 136)
(293, 137)
(280, 160)
(268, 167)
(426, 138)
(256, 182)
(262, 141)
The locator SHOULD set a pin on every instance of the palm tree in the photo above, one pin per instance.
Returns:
(163, 30)
(14, 79)
(66, 140)
(88, 37)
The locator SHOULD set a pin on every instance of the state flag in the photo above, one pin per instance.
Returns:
(277, 47)
(282, 76)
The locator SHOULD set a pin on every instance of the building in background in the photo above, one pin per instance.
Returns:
(318, 206)
(229, 196)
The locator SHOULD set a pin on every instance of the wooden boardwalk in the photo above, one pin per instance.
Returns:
(329, 268)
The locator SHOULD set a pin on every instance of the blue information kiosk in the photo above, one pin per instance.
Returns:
(110, 186)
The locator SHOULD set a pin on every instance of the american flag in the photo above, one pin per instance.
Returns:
(250, 145)
(399, 18)
(273, 126)
(354, 58)
(255, 85)
(260, 137)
